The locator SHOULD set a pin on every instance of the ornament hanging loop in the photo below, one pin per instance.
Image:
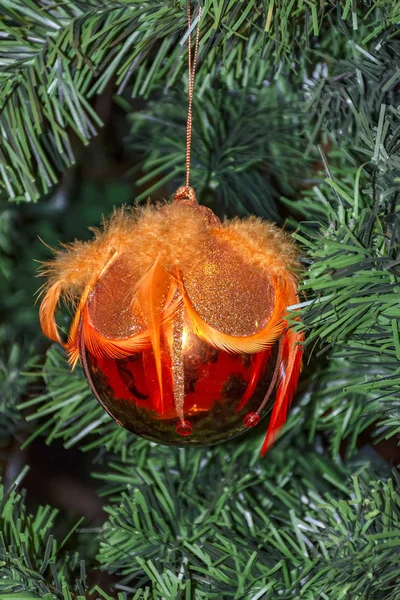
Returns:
(191, 76)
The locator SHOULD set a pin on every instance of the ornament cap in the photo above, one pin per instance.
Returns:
(185, 195)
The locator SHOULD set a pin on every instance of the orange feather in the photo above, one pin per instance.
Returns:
(151, 293)
(62, 289)
(100, 345)
(47, 310)
(246, 344)
(289, 372)
(72, 346)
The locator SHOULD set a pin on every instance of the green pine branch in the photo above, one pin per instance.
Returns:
(45, 98)
(16, 351)
(32, 562)
(68, 410)
(55, 57)
(350, 232)
(356, 106)
(207, 526)
(14, 358)
(242, 143)
(295, 525)
(338, 401)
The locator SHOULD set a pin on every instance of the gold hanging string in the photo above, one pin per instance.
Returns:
(191, 74)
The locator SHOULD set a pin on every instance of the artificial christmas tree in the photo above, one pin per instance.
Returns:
(296, 119)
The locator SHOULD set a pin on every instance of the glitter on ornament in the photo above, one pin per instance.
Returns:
(180, 320)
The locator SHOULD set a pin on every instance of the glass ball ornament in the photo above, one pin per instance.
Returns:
(180, 321)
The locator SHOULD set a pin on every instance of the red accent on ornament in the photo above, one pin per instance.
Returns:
(252, 419)
(184, 428)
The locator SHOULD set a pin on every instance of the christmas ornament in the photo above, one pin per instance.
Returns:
(180, 319)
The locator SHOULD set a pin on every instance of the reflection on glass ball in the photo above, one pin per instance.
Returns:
(222, 392)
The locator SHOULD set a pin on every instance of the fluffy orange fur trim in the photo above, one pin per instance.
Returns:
(170, 233)
(75, 264)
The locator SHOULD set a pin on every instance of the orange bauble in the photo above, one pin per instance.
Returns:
(180, 321)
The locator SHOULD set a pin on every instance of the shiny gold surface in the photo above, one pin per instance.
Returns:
(226, 293)
(112, 310)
